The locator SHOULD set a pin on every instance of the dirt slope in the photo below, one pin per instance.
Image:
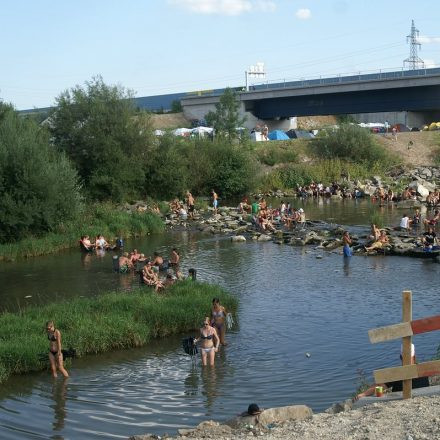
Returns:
(425, 144)
(169, 121)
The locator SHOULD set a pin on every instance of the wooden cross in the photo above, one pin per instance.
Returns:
(405, 330)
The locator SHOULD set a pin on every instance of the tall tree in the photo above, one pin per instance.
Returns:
(97, 126)
(226, 118)
(39, 187)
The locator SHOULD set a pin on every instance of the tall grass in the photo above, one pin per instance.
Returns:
(100, 219)
(104, 323)
(324, 170)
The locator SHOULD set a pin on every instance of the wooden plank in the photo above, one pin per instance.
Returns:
(395, 373)
(390, 332)
(431, 368)
(425, 325)
(406, 342)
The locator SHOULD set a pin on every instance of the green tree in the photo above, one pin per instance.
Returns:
(226, 118)
(176, 106)
(98, 127)
(39, 187)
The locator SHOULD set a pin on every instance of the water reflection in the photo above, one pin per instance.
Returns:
(347, 262)
(59, 396)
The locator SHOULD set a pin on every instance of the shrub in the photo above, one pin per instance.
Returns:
(39, 188)
(272, 153)
(351, 143)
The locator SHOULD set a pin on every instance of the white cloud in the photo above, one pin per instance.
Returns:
(303, 14)
(429, 64)
(225, 7)
(423, 39)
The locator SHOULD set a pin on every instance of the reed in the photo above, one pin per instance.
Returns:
(101, 219)
(110, 321)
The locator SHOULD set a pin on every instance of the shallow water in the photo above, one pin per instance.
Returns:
(291, 303)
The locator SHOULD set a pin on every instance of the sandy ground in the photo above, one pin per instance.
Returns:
(414, 419)
(169, 121)
(425, 144)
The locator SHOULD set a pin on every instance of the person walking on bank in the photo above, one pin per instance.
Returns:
(55, 353)
(214, 201)
(190, 201)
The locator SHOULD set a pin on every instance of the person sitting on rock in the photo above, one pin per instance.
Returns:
(151, 278)
(429, 240)
(430, 199)
(380, 243)
(432, 221)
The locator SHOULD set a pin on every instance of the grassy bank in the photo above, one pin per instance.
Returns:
(104, 323)
(100, 219)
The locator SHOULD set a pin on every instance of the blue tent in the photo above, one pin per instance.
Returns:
(278, 135)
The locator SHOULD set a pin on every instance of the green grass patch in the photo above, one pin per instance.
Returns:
(107, 322)
(100, 219)
(273, 153)
(324, 171)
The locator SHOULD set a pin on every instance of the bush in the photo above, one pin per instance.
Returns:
(39, 188)
(351, 143)
(272, 153)
(175, 165)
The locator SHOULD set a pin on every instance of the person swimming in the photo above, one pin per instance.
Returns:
(55, 353)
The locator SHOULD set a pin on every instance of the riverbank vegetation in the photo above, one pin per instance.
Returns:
(103, 323)
(100, 218)
(96, 147)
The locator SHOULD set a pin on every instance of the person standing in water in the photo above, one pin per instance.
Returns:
(209, 342)
(218, 319)
(55, 353)
(347, 242)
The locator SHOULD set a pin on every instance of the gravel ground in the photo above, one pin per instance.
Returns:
(414, 419)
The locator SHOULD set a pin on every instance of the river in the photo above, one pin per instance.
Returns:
(291, 303)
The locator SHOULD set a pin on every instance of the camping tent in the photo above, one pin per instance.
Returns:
(299, 134)
(278, 135)
(202, 131)
(182, 132)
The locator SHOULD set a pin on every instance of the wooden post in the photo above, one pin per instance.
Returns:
(406, 341)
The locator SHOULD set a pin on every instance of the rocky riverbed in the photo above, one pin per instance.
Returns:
(414, 419)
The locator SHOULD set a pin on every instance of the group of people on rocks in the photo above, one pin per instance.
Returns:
(388, 195)
(321, 190)
(265, 217)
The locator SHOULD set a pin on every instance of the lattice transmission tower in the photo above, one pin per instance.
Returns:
(414, 61)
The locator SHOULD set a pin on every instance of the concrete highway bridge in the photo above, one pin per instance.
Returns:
(411, 97)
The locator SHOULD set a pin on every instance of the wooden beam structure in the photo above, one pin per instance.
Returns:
(405, 330)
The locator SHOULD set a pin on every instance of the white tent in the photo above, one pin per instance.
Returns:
(182, 132)
(201, 131)
(159, 132)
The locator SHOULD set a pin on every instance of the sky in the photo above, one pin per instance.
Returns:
(155, 47)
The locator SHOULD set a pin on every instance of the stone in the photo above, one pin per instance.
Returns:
(272, 416)
(377, 180)
(238, 238)
(264, 237)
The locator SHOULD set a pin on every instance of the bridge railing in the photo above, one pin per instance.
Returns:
(345, 78)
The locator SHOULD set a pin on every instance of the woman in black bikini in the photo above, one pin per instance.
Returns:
(55, 354)
(209, 342)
